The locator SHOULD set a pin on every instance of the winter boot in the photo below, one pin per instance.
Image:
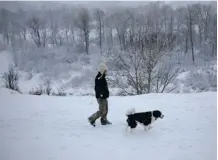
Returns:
(108, 122)
(91, 122)
(105, 122)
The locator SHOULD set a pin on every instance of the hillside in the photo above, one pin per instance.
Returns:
(156, 47)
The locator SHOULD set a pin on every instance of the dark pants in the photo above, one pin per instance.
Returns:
(102, 112)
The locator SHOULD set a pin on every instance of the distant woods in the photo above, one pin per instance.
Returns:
(193, 27)
(145, 47)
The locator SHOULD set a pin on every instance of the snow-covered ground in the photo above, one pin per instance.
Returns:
(56, 128)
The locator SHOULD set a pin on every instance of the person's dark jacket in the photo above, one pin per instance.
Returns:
(101, 87)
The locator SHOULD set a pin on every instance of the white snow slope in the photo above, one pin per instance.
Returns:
(56, 128)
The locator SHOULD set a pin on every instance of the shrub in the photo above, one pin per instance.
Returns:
(11, 79)
(59, 93)
(38, 91)
(47, 86)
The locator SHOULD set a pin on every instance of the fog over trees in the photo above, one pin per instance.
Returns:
(145, 44)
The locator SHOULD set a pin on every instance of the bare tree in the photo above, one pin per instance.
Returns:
(165, 75)
(190, 24)
(11, 79)
(68, 27)
(48, 88)
(120, 21)
(5, 24)
(139, 64)
(38, 31)
(206, 18)
(154, 47)
(54, 28)
(24, 31)
(22, 24)
(131, 68)
(83, 23)
(167, 19)
(99, 16)
(214, 37)
(108, 34)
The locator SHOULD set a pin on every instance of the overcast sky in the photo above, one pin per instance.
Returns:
(28, 5)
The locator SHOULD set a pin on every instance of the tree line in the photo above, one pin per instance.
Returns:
(194, 26)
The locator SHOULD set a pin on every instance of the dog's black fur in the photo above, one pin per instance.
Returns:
(145, 118)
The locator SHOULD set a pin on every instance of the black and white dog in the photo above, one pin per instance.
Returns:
(144, 118)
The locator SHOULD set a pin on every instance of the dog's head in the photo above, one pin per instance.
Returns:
(157, 114)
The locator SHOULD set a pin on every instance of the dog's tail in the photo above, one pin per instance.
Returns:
(130, 111)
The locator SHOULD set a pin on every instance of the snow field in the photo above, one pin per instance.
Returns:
(56, 128)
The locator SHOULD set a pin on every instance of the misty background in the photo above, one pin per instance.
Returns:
(149, 47)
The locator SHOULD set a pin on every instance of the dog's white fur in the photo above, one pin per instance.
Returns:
(130, 111)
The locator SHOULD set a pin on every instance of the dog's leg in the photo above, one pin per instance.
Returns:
(145, 128)
(131, 130)
(127, 128)
(149, 127)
